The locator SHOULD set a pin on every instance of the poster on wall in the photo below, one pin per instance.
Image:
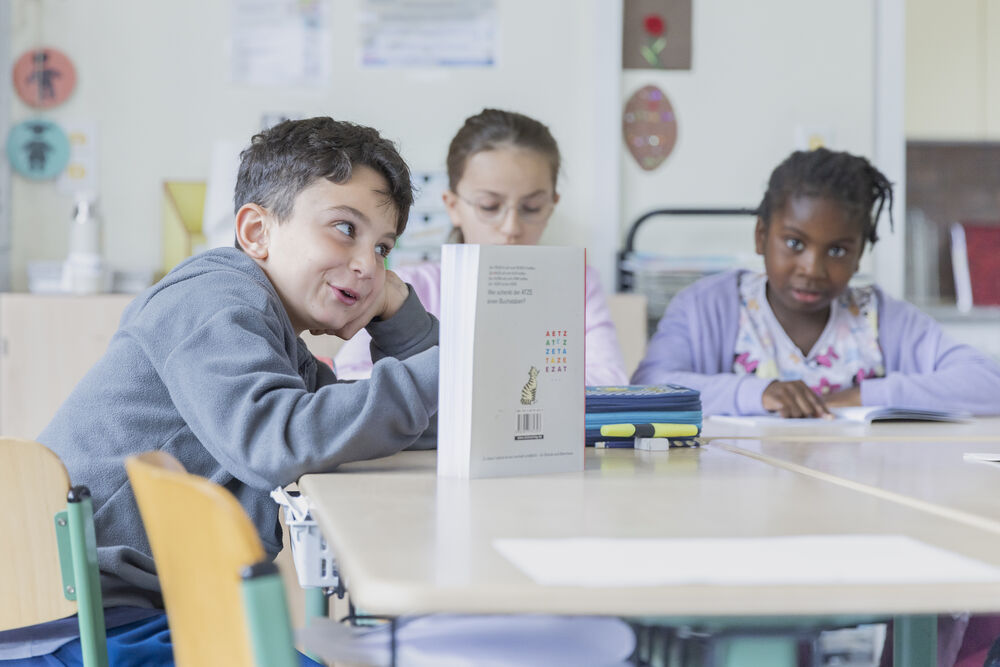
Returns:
(656, 34)
(80, 174)
(280, 42)
(428, 33)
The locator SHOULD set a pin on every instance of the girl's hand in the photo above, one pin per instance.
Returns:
(794, 399)
(844, 399)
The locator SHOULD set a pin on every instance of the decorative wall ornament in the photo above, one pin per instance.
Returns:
(650, 127)
(38, 149)
(44, 77)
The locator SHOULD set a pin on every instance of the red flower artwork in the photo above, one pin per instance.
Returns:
(656, 29)
(653, 23)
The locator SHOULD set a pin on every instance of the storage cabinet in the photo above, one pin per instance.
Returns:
(48, 343)
(953, 70)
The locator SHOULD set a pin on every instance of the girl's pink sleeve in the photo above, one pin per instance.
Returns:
(354, 359)
(605, 364)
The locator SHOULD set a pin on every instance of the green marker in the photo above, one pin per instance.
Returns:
(649, 430)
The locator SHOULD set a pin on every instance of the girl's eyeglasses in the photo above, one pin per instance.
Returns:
(535, 212)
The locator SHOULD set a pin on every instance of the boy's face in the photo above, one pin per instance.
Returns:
(327, 260)
(811, 249)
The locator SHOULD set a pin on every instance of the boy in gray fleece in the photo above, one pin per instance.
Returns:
(208, 366)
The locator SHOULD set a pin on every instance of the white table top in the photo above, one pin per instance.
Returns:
(409, 542)
(980, 429)
(928, 474)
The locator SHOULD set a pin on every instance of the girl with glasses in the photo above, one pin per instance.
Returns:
(502, 173)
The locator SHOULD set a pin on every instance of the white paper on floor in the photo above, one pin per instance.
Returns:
(444, 640)
(793, 560)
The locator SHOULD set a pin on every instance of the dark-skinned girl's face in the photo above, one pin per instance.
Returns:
(811, 249)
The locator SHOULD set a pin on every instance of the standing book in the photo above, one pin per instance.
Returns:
(975, 261)
(511, 385)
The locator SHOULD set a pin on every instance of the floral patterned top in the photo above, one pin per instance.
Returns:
(846, 352)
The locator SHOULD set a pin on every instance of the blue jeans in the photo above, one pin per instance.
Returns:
(138, 644)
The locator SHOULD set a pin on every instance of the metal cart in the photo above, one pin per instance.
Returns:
(659, 278)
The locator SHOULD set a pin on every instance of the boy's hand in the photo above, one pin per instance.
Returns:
(845, 399)
(793, 399)
(394, 294)
(383, 304)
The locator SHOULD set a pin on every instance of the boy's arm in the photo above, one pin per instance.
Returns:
(354, 360)
(250, 408)
(925, 368)
(671, 357)
(409, 331)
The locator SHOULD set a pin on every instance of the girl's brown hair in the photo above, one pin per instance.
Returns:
(493, 128)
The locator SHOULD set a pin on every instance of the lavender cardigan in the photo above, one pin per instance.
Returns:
(694, 346)
(605, 364)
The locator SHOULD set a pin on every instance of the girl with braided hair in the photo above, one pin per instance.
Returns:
(797, 339)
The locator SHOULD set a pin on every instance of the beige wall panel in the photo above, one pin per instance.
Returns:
(48, 344)
(946, 69)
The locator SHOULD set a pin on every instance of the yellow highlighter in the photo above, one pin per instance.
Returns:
(649, 430)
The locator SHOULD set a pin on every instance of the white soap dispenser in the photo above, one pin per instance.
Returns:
(84, 271)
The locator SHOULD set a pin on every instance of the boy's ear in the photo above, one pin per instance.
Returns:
(760, 236)
(251, 230)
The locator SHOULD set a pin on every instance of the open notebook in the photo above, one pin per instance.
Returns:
(856, 415)
(870, 414)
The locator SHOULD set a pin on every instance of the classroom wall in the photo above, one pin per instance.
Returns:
(759, 69)
(155, 76)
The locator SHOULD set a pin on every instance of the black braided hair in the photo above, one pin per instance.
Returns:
(849, 180)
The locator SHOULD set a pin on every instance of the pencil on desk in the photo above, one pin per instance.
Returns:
(649, 430)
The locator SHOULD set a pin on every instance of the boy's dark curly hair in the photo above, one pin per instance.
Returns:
(282, 161)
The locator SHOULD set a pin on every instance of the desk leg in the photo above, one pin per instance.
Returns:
(316, 604)
(756, 652)
(914, 641)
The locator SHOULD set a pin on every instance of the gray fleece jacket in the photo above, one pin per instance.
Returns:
(206, 366)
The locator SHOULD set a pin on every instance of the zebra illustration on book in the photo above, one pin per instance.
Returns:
(530, 387)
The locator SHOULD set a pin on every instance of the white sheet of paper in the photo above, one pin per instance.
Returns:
(727, 425)
(783, 422)
(844, 418)
(280, 43)
(484, 641)
(80, 174)
(795, 560)
(428, 33)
